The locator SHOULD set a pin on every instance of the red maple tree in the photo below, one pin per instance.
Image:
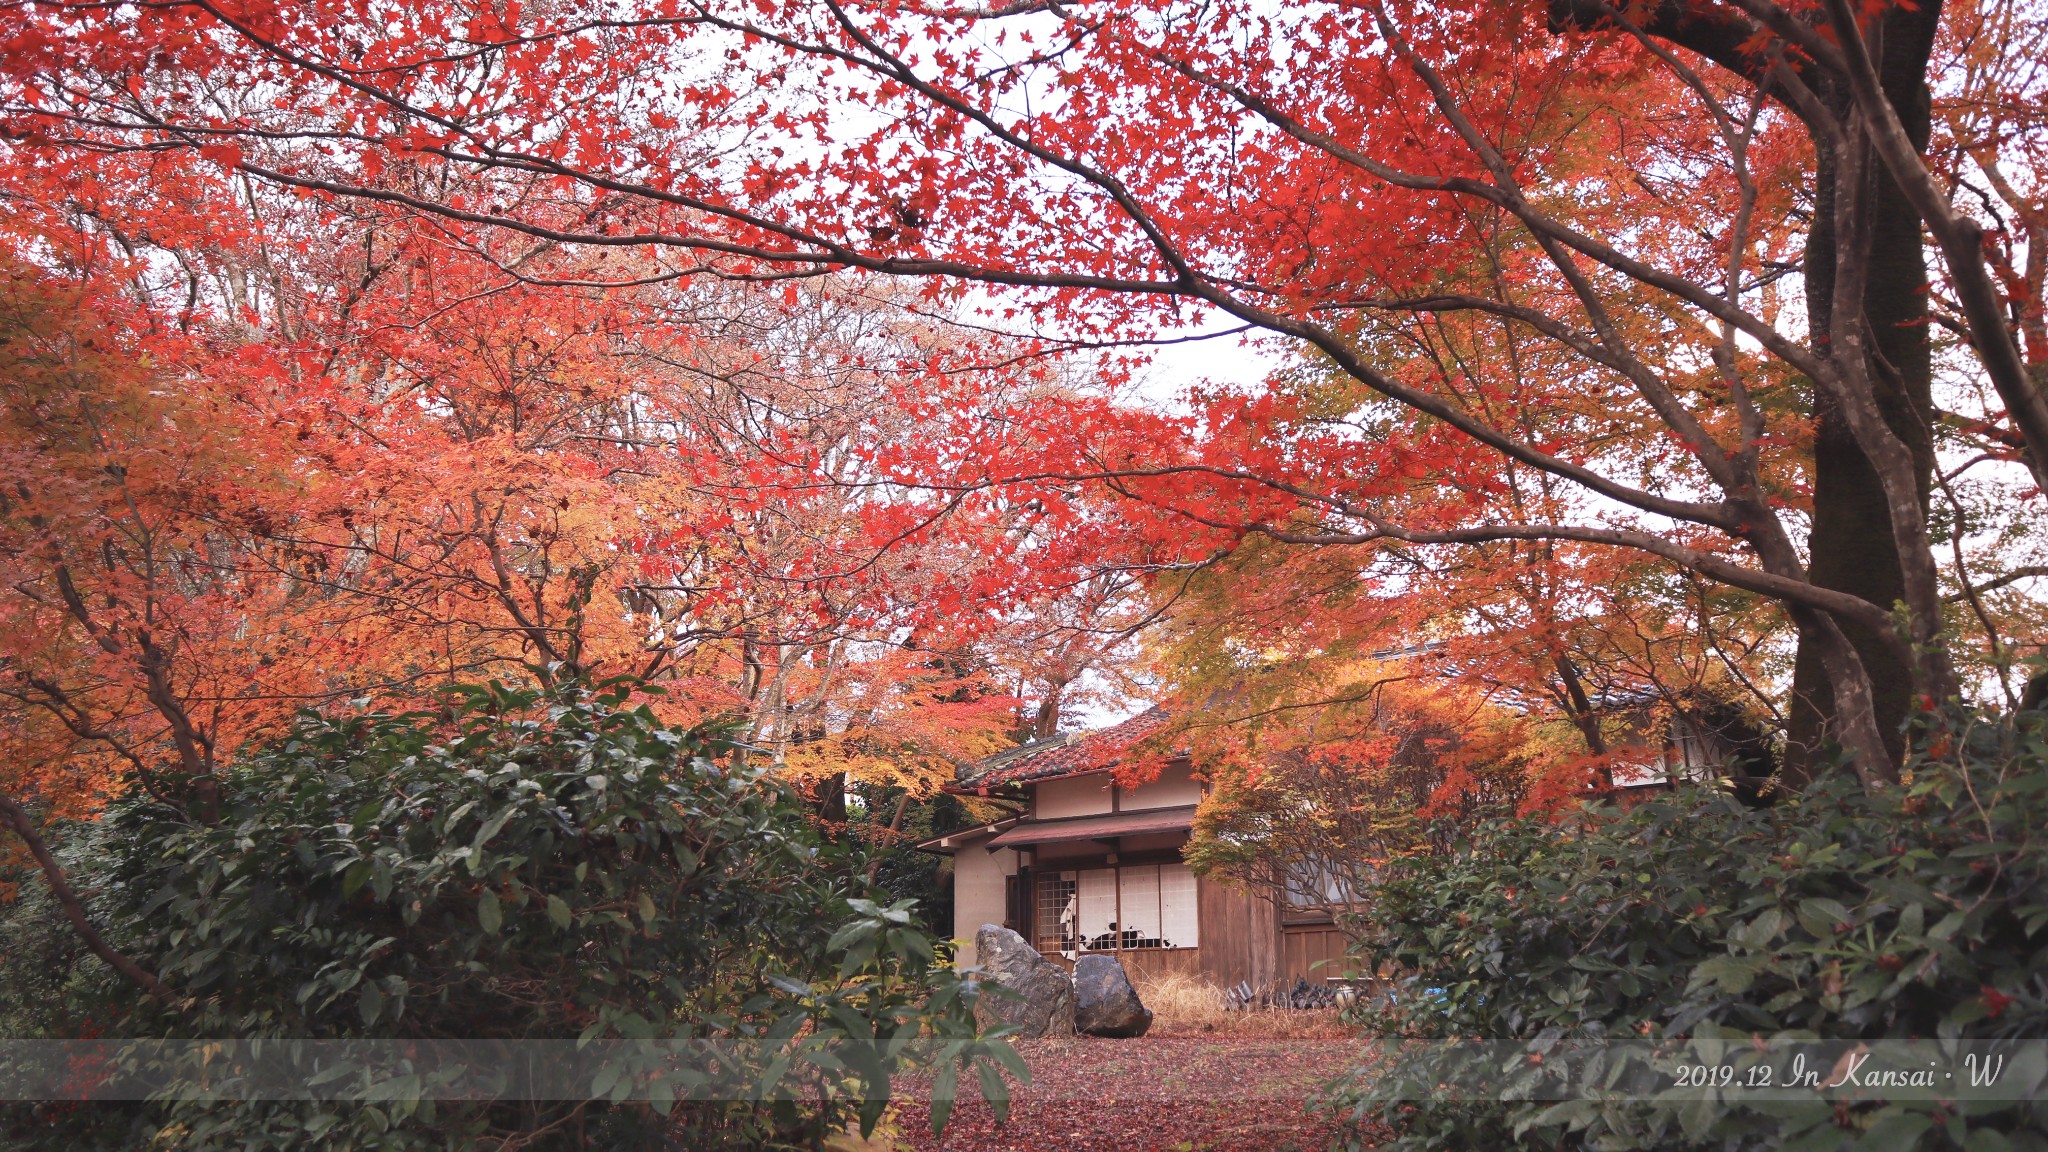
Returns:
(1615, 191)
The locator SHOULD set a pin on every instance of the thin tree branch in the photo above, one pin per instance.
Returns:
(18, 818)
(1961, 239)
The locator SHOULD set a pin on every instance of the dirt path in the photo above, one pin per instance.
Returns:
(1158, 1094)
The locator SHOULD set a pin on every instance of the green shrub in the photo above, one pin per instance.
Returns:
(38, 952)
(901, 871)
(1918, 912)
(510, 867)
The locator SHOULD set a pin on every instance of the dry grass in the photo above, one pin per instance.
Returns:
(1188, 1005)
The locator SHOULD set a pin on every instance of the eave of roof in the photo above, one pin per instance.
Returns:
(1109, 827)
(947, 843)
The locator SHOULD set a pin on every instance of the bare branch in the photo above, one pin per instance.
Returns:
(18, 818)
(1961, 240)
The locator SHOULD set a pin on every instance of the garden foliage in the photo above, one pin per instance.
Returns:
(1842, 914)
(515, 866)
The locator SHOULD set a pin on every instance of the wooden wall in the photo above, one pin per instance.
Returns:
(1304, 945)
(1243, 941)
(1240, 936)
(1149, 965)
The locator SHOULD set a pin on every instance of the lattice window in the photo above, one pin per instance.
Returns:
(1135, 908)
(1098, 907)
(1056, 910)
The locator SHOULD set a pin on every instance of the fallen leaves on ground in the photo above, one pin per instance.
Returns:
(1156, 1094)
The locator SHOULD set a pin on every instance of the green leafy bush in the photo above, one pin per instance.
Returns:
(38, 949)
(1918, 912)
(514, 866)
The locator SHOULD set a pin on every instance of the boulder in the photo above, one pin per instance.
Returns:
(1105, 1004)
(1046, 1006)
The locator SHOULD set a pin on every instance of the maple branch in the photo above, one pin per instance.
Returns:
(2033, 218)
(1542, 322)
(1812, 604)
(534, 629)
(1742, 488)
(779, 244)
(74, 911)
(1539, 223)
(1712, 30)
(194, 747)
(1961, 240)
(895, 822)
(820, 251)
(1970, 593)
(1121, 195)
(1346, 356)
(1889, 456)
(1728, 661)
(1708, 452)
(54, 699)
(823, 253)
(981, 12)
(1187, 281)
(1736, 141)
(1787, 585)
(1795, 33)
(1748, 415)
(1706, 563)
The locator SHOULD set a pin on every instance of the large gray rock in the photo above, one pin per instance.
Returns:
(1105, 1004)
(1044, 1004)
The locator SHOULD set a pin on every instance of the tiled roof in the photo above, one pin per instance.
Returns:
(1071, 754)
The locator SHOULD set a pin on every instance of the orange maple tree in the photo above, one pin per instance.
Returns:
(1306, 814)
(282, 453)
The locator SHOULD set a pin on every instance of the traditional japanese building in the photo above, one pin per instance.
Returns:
(1088, 866)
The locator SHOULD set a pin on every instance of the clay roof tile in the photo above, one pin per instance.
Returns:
(1073, 754)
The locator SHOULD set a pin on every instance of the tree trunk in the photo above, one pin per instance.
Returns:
(1046, 724)
(832, 798)
(1852, 547)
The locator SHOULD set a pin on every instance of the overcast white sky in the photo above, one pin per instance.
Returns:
(1224, 360)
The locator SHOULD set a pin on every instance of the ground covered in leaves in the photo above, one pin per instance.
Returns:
(1156, 1094)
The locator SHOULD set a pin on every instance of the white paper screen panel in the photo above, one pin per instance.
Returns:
(1140, 893)
(1098, 902)
(1179, 927)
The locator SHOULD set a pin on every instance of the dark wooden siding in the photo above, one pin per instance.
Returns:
(1243, 941)
(1150, 965)
(1240, 936)
(1315, 952)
